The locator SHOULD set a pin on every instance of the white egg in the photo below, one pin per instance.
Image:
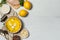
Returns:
(5, 8)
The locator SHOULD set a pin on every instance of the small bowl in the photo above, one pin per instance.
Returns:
(13, 24)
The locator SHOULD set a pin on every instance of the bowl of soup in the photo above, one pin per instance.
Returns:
(13, 24)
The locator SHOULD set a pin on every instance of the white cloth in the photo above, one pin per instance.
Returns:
(1, 25)
(2, 38)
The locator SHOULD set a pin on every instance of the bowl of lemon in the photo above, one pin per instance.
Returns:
(13, 24)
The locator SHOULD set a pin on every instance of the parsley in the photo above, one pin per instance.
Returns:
(21, 2)
(2, 2)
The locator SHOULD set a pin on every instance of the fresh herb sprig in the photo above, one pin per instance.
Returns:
(21, 2)
(2, 2)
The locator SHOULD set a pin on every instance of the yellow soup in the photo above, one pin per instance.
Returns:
(13, 24)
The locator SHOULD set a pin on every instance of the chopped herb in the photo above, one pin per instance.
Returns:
(3, 2)
(21, 2)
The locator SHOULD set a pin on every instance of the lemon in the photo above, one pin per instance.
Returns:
(13, 24)
(27, 5)
(23, 13)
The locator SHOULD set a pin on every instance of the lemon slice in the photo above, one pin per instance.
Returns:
(13, 24)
